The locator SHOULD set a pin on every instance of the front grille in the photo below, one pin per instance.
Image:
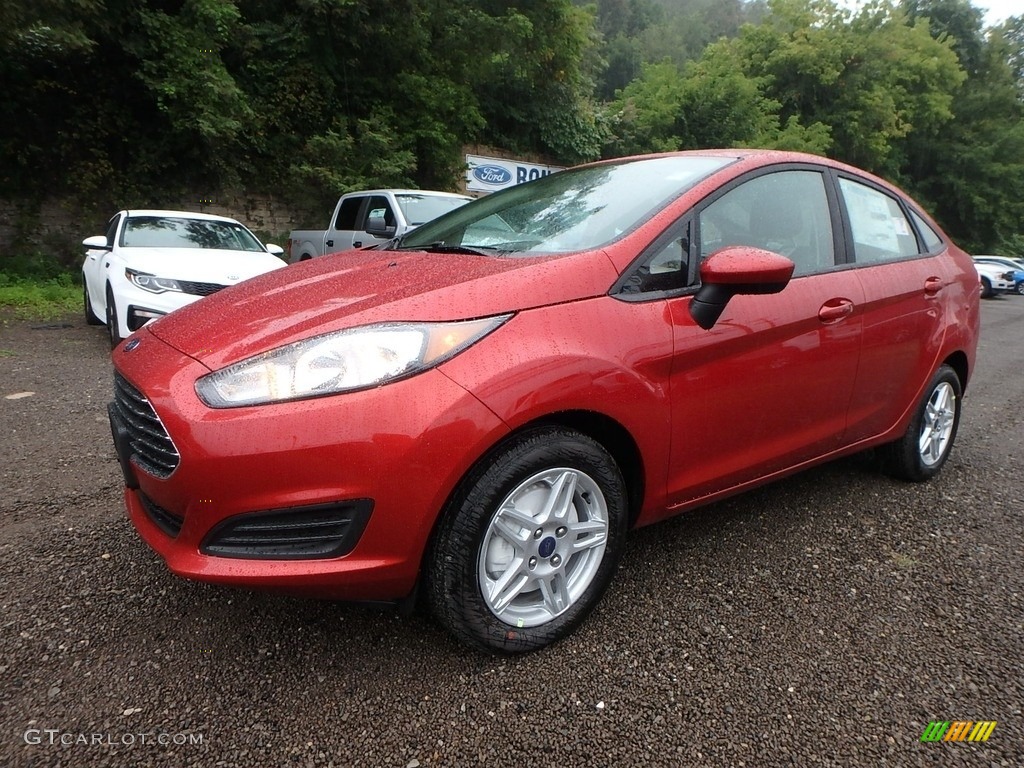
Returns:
(151, 446)
(199, 289)
(166, 521)
(300, 533)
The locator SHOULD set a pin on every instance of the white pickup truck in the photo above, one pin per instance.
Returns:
(371, 217)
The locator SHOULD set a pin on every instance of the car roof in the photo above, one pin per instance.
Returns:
(749, 159)
(132, 213)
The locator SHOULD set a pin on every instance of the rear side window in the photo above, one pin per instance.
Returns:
(880, 230)
(347, 214)
(932, 241)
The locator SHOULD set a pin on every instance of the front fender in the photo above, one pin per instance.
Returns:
(598, 355)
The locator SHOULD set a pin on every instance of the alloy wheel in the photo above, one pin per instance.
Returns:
(543, 547)
(937, 424)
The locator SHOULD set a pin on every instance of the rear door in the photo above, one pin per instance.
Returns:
(343, 229)
(905, 281)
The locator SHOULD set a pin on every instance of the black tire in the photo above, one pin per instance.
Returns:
(924, 448)
(112, 330)
(1020, 288)
(460, 555)
(90, 316)
(986, 288)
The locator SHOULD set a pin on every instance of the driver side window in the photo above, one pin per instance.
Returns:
(786, 212)
(379, 211)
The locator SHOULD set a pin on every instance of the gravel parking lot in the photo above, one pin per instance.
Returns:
(824, 620)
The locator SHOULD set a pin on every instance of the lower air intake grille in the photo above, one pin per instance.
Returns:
(168, 522)
(151, 446)
(301, 533)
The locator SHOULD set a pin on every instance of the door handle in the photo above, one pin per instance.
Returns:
(357, 244)
(329, 243)
(835, 309)
(933, 285)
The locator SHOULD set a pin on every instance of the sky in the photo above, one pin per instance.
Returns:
(996, 11)
(999, 10)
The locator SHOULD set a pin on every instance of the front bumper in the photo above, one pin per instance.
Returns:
(398, 450)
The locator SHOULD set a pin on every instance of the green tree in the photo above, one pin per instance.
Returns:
(972, 171)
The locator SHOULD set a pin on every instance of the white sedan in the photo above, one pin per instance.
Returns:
(150, 263)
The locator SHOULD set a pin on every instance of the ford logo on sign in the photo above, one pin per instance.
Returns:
(492, 174)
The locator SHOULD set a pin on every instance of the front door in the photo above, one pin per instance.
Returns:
(769, 387)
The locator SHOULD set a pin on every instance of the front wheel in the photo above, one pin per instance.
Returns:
(527, 548)
(986, 288)
(924, 448)
(112, 327)
(1020, 287)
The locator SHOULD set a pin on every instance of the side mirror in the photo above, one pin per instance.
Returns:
(375, 226)
(733, 271)
(274, 250)
(95, 243)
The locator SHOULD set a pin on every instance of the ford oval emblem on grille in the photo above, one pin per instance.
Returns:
(132, 345)
(492, 174)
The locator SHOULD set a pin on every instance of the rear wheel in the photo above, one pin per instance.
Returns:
(528, 547)
(924, 448)
(112, 329)
(90, 315)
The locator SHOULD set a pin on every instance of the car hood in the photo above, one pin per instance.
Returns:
(357, 288)
(201, 265)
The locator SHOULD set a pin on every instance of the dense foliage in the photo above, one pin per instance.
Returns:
(131, 102)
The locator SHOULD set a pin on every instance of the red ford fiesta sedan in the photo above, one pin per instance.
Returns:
(478, 411)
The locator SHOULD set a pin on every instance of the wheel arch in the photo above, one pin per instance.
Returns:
(961, 367)
(605, 430)
(615, 439)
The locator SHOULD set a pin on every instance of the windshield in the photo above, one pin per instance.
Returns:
(575, 210)
(418, 209)
(172, 232)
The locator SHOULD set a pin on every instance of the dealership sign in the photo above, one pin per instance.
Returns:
(489, 174)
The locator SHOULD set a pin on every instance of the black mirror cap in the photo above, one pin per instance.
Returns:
(378, 228)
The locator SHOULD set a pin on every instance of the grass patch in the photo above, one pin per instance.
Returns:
(27, 298)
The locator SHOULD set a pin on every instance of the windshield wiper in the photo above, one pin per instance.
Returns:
(442, 247)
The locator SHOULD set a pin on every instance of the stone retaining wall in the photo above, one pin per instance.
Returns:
(61, 224)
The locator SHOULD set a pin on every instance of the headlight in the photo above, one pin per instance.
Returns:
(343, 361)
(151, 283)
